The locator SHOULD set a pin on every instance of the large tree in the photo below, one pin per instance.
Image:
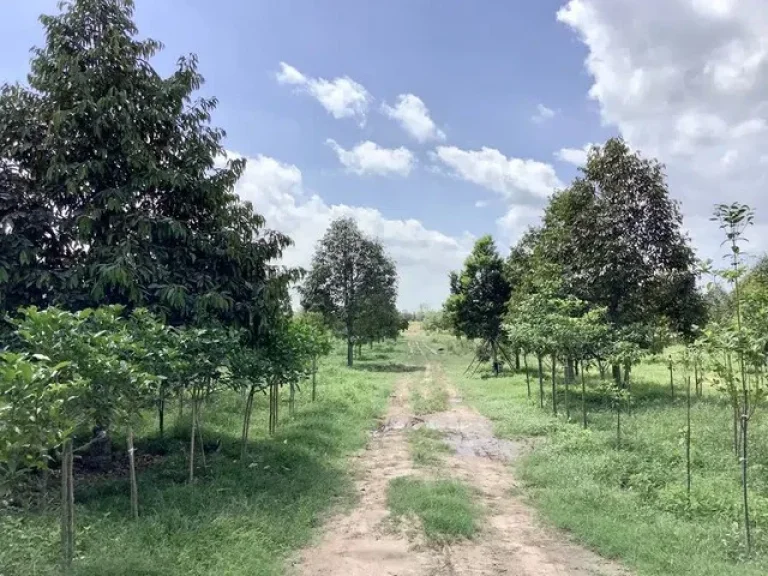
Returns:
(479, 296)
(118, 172)
(615, 238)
(352, 282)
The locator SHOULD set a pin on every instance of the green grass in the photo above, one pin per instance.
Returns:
(631, 502)
(426, 446)
(428, 395)
(446, 508)
(237, 518)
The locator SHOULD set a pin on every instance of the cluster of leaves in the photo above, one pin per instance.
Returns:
(352, 284)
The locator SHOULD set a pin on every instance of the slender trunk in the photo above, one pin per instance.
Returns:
(271, 409)
(672, 381)
(314, 378)
(350, 352)
(161, 411)
(688, 440)
(292, 399)
(744, 470)
(517, 359)
(181, 407)
(200, 434)
(527, 375)
(616, 370)
(618, 422)
(628, 385)
(132, 471)
(494, 353)
(67, 507)
(554, 384)
(601, 367)
(583, 398)
(192, 438)
(247, 423)
(568, 376)
(696, 376)
(541, 381)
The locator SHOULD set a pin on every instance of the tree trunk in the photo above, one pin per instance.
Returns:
(161, 411)
(618, 422)
(494, 353)
(554, 384)
(601, 367)
(541, 381)
(67, 506)
(628, 385)
(350, 352)
(583, 398)
(192, 439)
(616, 370)
(688, 440)
(181, 407)
(744, 469)
(568, 377)
(132, 472)
(247, 423)
(292, 399)
(672, 381)
(527, 375)
(517, 360)
(314, 378)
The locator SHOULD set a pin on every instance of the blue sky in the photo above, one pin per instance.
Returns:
(482, 71)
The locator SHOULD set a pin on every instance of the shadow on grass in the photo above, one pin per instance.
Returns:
(390, 367)
(237, 517)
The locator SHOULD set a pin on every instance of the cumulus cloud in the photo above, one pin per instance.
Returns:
(342, 97)
(543, 114)
(518, 180)
(423, 256)
(684, 80)
(412, 114)
(369, 158)
(575, 156)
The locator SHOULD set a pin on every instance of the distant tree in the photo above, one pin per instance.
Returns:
(479, 296)
(350, 277)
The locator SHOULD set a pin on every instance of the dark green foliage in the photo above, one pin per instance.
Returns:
(118, 173)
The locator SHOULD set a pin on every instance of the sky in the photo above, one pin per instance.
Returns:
(434, 123)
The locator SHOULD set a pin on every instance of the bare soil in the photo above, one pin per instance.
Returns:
(511, 542)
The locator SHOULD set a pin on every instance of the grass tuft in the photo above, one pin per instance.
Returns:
(446, 508)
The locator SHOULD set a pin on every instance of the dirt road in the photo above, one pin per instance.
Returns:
(511, 542)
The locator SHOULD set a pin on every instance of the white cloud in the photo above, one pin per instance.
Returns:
(424, 257)
(543, 114)
(412, 114)
(516, 221)
(518, 180)
(685, 81)
(370, 158)
(575, 156)
(342, 97)
(481, 203)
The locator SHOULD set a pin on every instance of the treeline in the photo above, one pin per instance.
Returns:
(608, 278)
(132, 277)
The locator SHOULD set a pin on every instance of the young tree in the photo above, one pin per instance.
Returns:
(479, 296)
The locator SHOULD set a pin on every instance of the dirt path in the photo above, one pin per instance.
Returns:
(511, 541)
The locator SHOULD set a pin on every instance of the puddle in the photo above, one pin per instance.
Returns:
(472, 436)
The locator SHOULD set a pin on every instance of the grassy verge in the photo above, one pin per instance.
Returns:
(631, 502)
(238, 517)
(427, 446)
(445, 507)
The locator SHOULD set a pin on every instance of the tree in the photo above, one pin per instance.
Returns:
(479, 295)
(118, 174)
(615, 238)
(351, 283)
